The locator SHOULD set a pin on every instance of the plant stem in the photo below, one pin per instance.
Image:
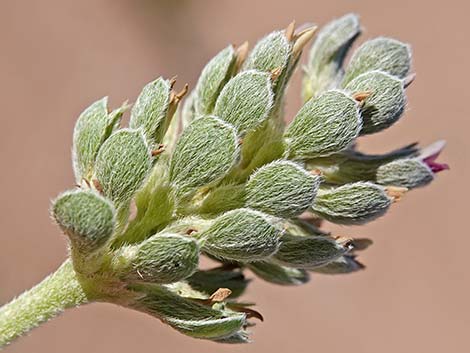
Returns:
(59, 291)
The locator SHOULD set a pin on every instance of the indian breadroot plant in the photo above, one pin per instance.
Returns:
(226, 177)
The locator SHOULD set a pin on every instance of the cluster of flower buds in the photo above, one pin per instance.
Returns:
(227, 178)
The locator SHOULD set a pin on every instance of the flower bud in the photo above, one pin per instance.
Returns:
(188, 316)
(87, 218)
(386, 102)
(204, 153)
(150, 111)
(281, 188)
(270, 53)
(324, 68)
(93, 127)
(241, 235)
(308, 252)
(384, 54)
(409, 173)
(355, 203)
(122, 164)
(213, 78)
(324, 125)
(344, 264)
(163, 258)
(277, 274)
(351, 166)
(246, 100)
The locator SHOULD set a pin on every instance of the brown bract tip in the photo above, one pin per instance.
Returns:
(302, 38)
(361, 96)
(289, 31)
(395, 192)
(275, 73)
(220, 295)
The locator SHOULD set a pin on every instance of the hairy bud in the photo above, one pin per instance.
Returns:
(151, 110)
(282, 188)
(324, 68)
(308, 252)
(241, 235)
(205, 152)
(188, 316)
(384, 54)
(246, 100)
(354, 203)
(213, 78)
(409, 173)
(93, 127)
(164, 258)
(324, 125)
(122, 164)
(270, 53)
(87, 218)
(386, 101)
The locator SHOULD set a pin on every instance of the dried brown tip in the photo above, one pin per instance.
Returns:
(289, 31)
(395, 192)
(220, 295)
(240, 141)
(250, 313)
(408, 80)
(173, 81)
(275, 73)
(97, 185)
(183, 92)
(302, 38)
(345, 242)
(191, 231)
(361, 96)
(160, 149)
(316, 172)
(241, 53)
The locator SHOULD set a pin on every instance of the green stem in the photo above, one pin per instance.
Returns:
(57, 292)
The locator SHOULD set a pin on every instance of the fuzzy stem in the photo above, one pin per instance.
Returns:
(57, 292)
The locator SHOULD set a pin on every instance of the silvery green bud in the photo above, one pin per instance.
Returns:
(122, 164)
(282, 188)
(324, 68)
(210, 281)
(355, 203)
(413, 172)
(409, 173)
(213, 78)
(324, 125)
(344, 264)
(204, 153)
(163, 258)
(188, 316)
(93, 127)
(150, 111)
(241, 235)
(277, 274)
(246, 100)
(308, 252)
(384, 54)
(270, 53)
(351, 166)
(87, 218)
(386, 102)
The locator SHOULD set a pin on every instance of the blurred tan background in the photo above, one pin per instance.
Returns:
(58, 56)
